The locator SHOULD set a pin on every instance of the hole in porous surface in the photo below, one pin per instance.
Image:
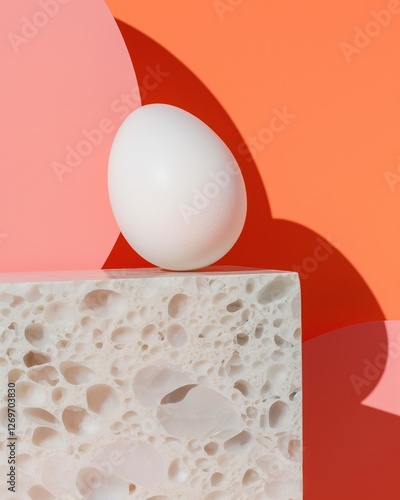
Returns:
(176, 335)
(14, 375)
(295, 395)
(34, 334)
(46, 375)
(277, 355)
(102, 399)
(277, 322)
(218, 495)
(211, 448)
(33, 358)
(48, 438)
(245, 316)
(75, 373)
(78, 421)
(58, 394)
(176, 472)
(153, 383)
(129, 416)
(280, 342)
(177, 305)
(10, 353)
(177, 395)
(88, 321)
(250, 285)
(250, 477)
(220, 297)
(85, 447)
(209, 332)
(194, 446)
(63, 343)
(202, 413)
(274, 290)
(122, 366)
(57, 311)
(149, 332)
(295, 449)
(30, 394)
(259, 331)
(41, 416)
(242, 338)
(37, 492)
(279, 414)
(97, 334)
(103, 303)
(238, 443)
(33, 294)
(227, 320)
(235, 306)
(216, 478)
(251, 412)
(297, 334)
(117, 427)
(202, 463)
(201, 367)
(157, 350)
(244, 387)
(234, 365)
(123, 335)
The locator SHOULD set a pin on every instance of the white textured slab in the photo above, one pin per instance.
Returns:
(153, 385)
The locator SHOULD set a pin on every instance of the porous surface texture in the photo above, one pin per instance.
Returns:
(153, 385)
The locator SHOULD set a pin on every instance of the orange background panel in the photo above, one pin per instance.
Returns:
(327, 168)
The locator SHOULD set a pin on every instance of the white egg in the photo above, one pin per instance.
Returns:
(176, 190)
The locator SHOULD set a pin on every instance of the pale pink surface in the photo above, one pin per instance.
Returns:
(67, 77)
(386, 395)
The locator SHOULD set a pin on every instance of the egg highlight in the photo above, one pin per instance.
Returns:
(176, 190)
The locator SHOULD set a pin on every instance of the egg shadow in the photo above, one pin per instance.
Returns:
(338, 430)
(333, 292)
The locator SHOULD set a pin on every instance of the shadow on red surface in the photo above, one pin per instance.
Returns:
(351, 451)
(333, 292)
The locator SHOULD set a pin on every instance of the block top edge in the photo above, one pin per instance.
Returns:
(139, 273)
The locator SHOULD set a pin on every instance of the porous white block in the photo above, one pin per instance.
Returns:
(148, 384)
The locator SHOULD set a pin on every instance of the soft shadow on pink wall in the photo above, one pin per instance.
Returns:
(333, 292)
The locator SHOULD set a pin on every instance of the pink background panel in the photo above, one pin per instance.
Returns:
(63, 72)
